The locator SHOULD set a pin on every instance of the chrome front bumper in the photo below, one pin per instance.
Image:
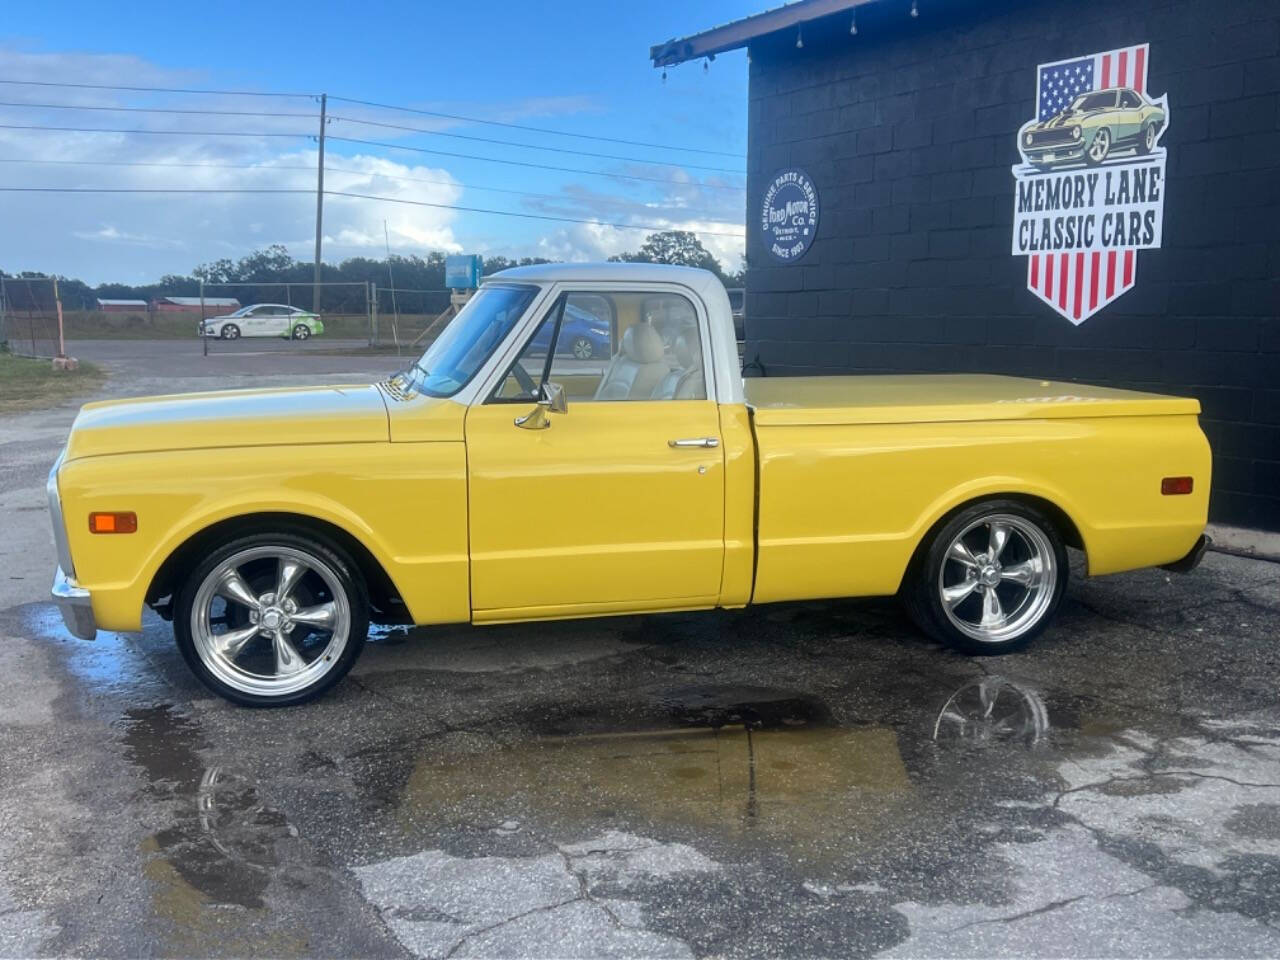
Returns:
(76, 606)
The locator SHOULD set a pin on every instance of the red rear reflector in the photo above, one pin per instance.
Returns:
(113, 522)
(1173, 486)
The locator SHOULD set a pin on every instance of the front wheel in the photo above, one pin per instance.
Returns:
(1099, 148)
(990, 579)
(230, 332)
(272, 619)
(301, 332)
(582, 348)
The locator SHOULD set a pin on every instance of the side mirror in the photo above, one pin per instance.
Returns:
(551, 399)
(554, 398)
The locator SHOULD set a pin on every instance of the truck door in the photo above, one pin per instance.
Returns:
(616, 504)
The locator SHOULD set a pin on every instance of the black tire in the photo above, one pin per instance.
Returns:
(230, 332)
(1103, 135)
(1146, 139)
(301, 332)
(923, 585)
(350, 582)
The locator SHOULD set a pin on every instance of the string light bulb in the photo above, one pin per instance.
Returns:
(853, 24)
(915, 9)
(664, 75)
(799, 38)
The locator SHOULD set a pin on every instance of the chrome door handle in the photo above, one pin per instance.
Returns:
(695, 442)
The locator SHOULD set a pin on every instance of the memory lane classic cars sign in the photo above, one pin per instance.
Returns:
(789, 215)
(1089, 192)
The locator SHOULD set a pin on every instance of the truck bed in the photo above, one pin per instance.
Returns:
(940, 398)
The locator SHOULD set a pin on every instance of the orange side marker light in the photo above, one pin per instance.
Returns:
(119, 522)
(1175, 486)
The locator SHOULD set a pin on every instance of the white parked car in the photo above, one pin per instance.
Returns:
(263, 320)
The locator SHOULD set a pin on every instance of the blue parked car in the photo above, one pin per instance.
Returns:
(582, 335)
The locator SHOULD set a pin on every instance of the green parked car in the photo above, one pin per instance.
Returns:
(1094, 127)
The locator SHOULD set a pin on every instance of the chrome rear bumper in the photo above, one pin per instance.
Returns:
(74, 603)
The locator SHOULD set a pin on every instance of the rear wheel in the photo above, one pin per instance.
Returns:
(272, 619)
(1147, 139)
(583, 348)
(301, 332)
(990, 579)
(230, 332)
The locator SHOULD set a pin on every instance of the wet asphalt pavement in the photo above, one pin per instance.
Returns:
(797, 780)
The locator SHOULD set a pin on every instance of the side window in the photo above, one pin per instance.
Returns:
(612, 347)
(1129, 99)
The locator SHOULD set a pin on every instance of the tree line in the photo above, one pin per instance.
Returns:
(275, 265)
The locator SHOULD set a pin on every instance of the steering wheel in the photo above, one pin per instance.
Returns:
(525, 381)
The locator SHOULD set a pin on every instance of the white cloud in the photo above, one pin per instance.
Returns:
(140, 236)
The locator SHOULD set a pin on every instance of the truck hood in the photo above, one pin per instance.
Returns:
(230, 418)
(928, 398)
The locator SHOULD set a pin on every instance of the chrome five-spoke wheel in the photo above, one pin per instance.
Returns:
(990, 578)
(998, 577)
(270, 620)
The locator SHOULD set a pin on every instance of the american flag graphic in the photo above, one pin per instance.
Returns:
(1078, 284)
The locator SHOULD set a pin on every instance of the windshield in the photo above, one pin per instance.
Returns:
(241, 312)
(1094, 101)
(460, 351)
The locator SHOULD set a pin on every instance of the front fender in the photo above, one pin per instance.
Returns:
(405, 503)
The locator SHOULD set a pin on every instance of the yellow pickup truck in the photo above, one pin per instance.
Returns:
(504, 477)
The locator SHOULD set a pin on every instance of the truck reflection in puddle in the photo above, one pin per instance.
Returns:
(751, 762)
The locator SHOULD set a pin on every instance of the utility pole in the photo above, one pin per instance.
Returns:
(315, 291)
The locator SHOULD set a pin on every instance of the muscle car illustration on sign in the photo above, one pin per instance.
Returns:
(498, 480)
(1089, 184)
(1093, 127)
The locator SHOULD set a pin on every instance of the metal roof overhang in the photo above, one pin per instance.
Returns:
(739, 33)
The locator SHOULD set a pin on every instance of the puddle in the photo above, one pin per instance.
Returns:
(220, 848)
(751, 763)
(993, 710)
(751, 707)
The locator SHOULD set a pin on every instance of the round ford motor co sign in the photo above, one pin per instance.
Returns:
(789, 215)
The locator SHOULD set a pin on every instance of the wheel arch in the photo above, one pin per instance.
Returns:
(1064, 524)
(384, 596)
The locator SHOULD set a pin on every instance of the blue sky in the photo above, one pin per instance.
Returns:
(574, 66)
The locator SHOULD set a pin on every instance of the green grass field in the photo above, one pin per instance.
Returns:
(27, 384)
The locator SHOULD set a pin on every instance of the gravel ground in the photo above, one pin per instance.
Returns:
(794, 780)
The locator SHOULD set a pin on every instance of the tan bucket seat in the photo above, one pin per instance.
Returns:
(638, 367)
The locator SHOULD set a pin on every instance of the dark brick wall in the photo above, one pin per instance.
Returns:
(908, 131)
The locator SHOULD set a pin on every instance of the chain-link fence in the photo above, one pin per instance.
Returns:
(353, 316)
(408, 319)
(29, 316)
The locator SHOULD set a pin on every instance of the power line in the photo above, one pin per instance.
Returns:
(219, 113)
(534, 146)
(527, 216)
(376, 143)
(360, 196)
(527, 163)
(371, 123)
(110, 86)
(180, 133)
(155, 190)
(560, 198)
(531, 129)
(462, 118)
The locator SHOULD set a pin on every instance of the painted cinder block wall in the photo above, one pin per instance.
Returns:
(908, 131)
